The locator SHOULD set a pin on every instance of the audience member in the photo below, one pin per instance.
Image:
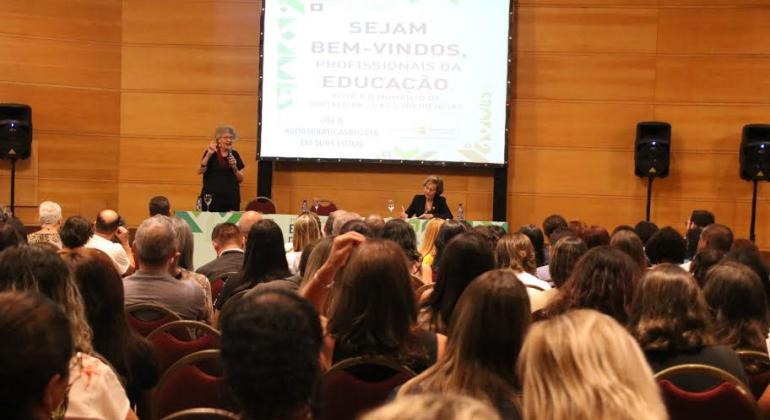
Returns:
(645, 230)
(594, 236)
(543, 272)
(356, 225)
(577, 227)
(537, 239)
(692, 237)
(247, 220)
(316, 258)
(666, 246)
(9, 237)
(228, 244)
(75, 232)
(702, 263)
(264, 262)
(716, 236)
(553, 223)
(375, 223)
(371, 307)
(583, 365)
(427, 248)
(50, 221)
(340, 218)
(466, 257)
(700, 219)
(156, 247)
(448, 230)
(34, 356)
(434, 407)
(160, 205)
(619, 228)
(565, 253)
(752, 259)
(305, 230)
(485, 336)
(670, 320)
(106, 229)
(738, 305)
(182, 270)
(628, 242)
(95, 392)
(102, 289)
(515, 251)
(6, 216)
(401, 232)
(603, 279)
(271, 342)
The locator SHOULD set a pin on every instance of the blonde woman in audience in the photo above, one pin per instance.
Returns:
(434, 407)
(584, 365)
(427, 248)
(95, 392)
(515, 251)
(306, 230)
(485, 336)
(50, 221)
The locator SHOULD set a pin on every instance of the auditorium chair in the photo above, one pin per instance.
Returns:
(355, 385)
(202, 414)
(325, 207)
(730, 399)
(263, 205)
(757, 367)
(144, 318)
(177, 339)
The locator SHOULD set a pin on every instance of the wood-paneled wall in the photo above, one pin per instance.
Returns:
(126, 96)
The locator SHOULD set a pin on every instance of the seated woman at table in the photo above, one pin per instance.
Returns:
(430, 204)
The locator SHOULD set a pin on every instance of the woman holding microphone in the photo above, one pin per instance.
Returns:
(222, 170)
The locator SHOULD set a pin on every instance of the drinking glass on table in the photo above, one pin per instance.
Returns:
(207, 198)
(391, 207)
(316, 204)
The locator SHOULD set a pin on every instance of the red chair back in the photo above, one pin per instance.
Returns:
(730, 399)
(175, 340)
(355, 385)
(191, 383)
(263, 205)
(216, 288)
(203, 414)
(145, 318)
(757, 367)
(325, 207)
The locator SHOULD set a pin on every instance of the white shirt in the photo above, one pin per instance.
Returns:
(115, 251)
(95, 392)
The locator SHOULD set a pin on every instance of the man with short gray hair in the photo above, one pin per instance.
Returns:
(155, 248)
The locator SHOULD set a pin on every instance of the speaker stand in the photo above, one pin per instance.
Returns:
(13, 185)
(752, 236)
(649, 198)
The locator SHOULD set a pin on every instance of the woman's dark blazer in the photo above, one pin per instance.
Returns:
(440, 208)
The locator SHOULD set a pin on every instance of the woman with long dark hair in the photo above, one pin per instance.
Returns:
(264, 261)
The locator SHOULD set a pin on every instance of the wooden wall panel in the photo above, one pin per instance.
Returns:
(712, 31)
(84, 20)
(713, 79)
(566, 29)
(206, 69)
(584, 76)
(77, 157)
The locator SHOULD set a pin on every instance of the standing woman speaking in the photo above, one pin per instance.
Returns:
(222, 170)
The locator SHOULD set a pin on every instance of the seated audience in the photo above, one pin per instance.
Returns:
(628, 241)
(35, 353)
(565, 253)
(182, 270)
(645, 230)
(102, 289)
(692, 237)
(50, 221)
(670, 320)
(594, 236)
(316, 258)
(434, 407)
(702, 263)
(401, 232)
(542, 272)
(95, 392)
(738, 305)
(156, 247)
(306, 230)
(553, 223)
(247, 220)
(603, 280)
(375, 223)
(372, 305)
(271, 342)
(716, 236)
(484, 338)
(700, 219)
(583, 365)
(577, 227)
(228, 244)
(466, 257)
(340, 217)
(666, 246)
(515, 251)
(160, 205)
(106, 229)
(75, 232)
(448, 230)
(427, 248)
(9, 236)
(356, 225)
(753, 259)
(537, 239)
(264, 262)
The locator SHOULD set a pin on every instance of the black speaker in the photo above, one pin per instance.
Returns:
(653, 149)
(15, 131)
(755, 152)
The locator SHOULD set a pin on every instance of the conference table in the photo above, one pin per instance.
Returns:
(202, 223)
